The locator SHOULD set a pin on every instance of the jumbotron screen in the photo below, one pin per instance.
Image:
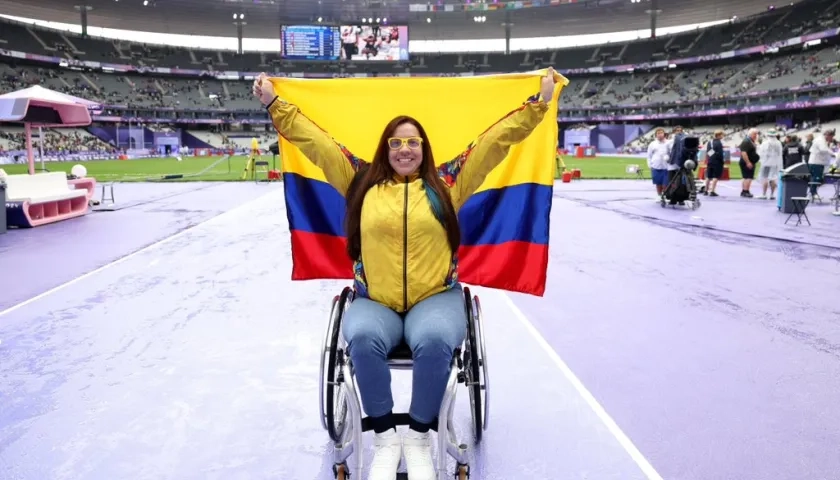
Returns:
(310, 42)
(387, 43)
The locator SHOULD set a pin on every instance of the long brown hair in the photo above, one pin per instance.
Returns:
(380, 171)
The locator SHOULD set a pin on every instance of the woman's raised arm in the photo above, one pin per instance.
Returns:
(338, 163)
(466, 172)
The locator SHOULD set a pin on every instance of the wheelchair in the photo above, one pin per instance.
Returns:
(341, 409)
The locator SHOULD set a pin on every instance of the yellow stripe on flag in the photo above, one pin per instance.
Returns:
(453, 110)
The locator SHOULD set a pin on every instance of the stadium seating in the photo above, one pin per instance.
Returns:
(774, 25)
(35, 200)
(764, 77)
(762, 74)
(706, 83)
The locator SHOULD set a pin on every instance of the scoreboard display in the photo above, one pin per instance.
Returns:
(310, 42)
(375, 43)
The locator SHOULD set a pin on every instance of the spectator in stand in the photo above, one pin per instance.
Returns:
(714, 163)
(771, 163)
(657, 160)
(749, 157)
(821, 157)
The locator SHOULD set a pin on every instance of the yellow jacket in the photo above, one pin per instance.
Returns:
(406, 257)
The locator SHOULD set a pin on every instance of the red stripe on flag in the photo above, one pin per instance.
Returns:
(513, 266)
(317, 256)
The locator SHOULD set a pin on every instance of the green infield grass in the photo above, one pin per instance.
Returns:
(219, 169)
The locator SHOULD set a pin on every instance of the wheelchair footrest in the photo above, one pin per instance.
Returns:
(401, 419)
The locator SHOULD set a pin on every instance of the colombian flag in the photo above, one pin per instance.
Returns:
(504, 224)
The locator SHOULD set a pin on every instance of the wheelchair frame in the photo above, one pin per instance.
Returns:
(338, 395)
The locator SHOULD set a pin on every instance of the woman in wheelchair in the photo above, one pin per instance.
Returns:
(403, 236)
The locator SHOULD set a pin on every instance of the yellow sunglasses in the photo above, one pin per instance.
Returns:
(395, 143)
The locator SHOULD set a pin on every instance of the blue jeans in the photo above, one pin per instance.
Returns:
(433, 329)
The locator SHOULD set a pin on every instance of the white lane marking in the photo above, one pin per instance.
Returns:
(599, 410)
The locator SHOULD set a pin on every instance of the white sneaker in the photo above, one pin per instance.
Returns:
(418, 456)
(387, 452)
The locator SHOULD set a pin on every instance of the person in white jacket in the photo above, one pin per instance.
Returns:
(658, 155)
(770, 152)
(820, 157)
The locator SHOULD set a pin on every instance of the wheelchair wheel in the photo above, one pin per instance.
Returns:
(325, 349)
(333, 399)
(475, 366)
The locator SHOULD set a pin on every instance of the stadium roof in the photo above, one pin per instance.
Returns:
(264, 17)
